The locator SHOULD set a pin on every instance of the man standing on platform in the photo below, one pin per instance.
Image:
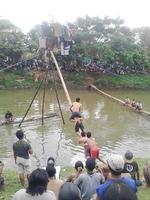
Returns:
(21, 150)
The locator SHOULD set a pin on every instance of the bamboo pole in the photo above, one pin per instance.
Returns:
(61, 78)
(119, 101)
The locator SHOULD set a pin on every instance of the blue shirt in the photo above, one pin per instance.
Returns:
(102, 188)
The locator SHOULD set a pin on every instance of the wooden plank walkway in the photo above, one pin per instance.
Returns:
(35, 118)
(119, 101)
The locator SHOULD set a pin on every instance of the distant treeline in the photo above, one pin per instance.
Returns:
(106, 41)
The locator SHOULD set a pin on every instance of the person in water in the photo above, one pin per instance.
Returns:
(94, 150)
(8, 117)
(75, 108)
(83, 140)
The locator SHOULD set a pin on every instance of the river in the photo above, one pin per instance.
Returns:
(115, 128)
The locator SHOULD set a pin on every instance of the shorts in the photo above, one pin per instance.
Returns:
(24, 165)
(95, 152)
(75, 114)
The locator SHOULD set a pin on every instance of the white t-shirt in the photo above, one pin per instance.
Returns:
(22, 195)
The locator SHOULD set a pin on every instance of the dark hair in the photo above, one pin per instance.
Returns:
(20, 134)
(78, 164)
(38, 181)
(119, 191)
(128, 155)
(146, 172)
(77, 99)
(83, 134)
(90, 164)
(88, 134)
(51, 170)
(51, 161)
(69, 191)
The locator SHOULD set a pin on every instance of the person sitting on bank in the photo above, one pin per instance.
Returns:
(8, 117)
(127, 101)
(133, 103)
(138, 106)
(75, 107)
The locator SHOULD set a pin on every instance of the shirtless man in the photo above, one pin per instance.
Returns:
(75, 107)
(94, 150)
(83, 140)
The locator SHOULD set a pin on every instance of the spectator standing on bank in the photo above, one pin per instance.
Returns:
(87, 183)
(21, 151)
(116, 165)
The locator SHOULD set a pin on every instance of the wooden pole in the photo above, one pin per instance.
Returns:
(119, 101)
(61, 78)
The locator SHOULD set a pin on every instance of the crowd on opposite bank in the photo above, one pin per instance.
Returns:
(136, 104)
(82, 66)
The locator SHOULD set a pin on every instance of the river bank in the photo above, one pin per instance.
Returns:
(12, 183)
(76, 80)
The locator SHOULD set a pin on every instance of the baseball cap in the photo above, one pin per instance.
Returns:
(116, 162)
(128, 155)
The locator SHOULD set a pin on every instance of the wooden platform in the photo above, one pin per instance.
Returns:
(34, 118)
(120, 101)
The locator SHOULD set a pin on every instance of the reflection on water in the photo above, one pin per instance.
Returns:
(115, 128)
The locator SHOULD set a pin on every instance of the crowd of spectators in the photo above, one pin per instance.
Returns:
(114, 178)
(73, 66)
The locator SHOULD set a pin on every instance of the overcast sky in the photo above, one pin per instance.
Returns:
(27, 13)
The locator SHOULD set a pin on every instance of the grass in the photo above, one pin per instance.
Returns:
(78, 80)
(12, 183)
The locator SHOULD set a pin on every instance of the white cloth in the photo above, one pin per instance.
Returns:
(22, 195)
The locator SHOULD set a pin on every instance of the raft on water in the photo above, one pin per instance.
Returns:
(34, 118)
(120, 101)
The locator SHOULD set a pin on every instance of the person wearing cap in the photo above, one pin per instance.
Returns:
(87, 183)
(116, 165)
(131, 166)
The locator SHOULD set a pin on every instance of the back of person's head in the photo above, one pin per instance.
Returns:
(79, 165)
(20, 134)
(128, 156)
(116, 164)
(69, 191)
(88, 134)
(90, 164)
(103, 168)
(146, 172)
(78, 99)
(83, 134)
(38, 181)
(51, 170)
(119, 191)
(51, 161)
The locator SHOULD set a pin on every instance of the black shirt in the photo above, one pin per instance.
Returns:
(131, 168)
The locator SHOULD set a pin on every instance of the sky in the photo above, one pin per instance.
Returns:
(25, 14)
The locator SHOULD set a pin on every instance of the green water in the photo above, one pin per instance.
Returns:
(115, 128)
